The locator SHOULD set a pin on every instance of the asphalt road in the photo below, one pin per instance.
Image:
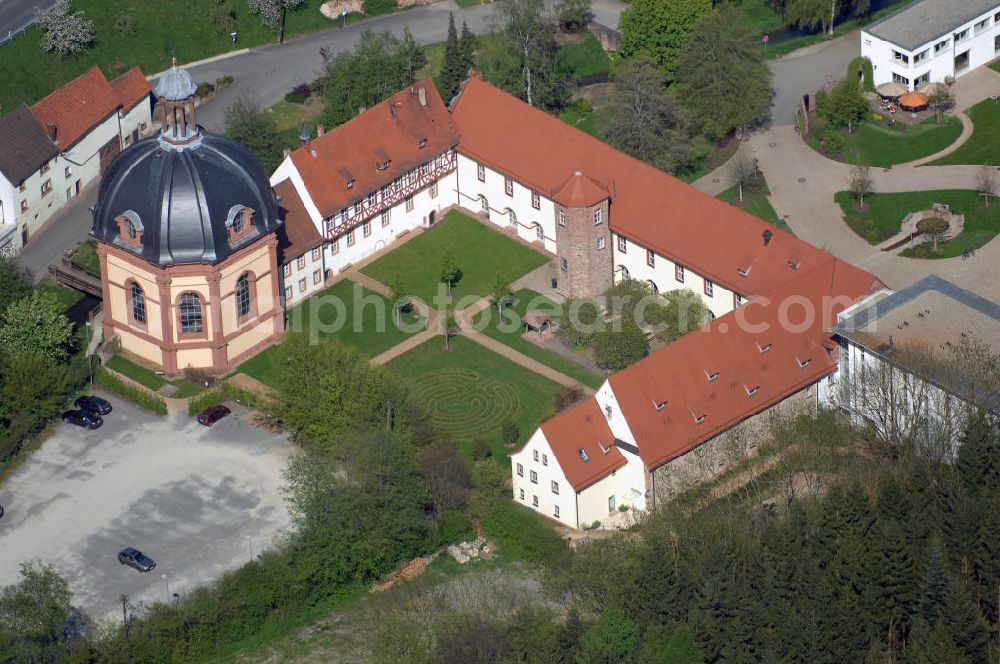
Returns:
(193, 499)
(15, 14)
(807, 70)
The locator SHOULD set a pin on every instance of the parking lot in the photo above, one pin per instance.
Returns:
(196, 500)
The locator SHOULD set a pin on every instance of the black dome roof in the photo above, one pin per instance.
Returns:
(181, 199)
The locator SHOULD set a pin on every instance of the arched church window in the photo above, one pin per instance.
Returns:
(191, 313)
(130, 228)
(243, 295)
(138, 303)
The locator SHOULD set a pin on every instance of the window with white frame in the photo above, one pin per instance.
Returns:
(600, 243)
(562, 217)
(481, 172)
(508, 186)
(622, 244)
(961, 36)
(941, 45)
(520, 470)
(534, 501)
(555, 511)
(533, 476)
(366, 228)
(315, 253)
(287, 270)
(335, 246)
(563, 264)
(350, 238)
(409, 204)
(302, 285)
(598, 216)
(536, 200)
(535, 455)
(300, 262)
(679, 273)
(555, 487)
(709, 288)
(545, 459)
(317, 276)
(288, 292)
(521, 494)
(650, 258)
(385, 219)
(434, 190)
(901, 57)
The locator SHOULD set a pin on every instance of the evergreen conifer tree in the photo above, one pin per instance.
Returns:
(451, 68)
(934, 589)
(466, 46)
(964, 624)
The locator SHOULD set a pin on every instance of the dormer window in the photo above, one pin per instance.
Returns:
(750, 390)
(130, 228)
(712, 376)
(699, 419)
(660, 406)
(744, 272)
(803, 363)
(583, 455)
(793, 264)
(239, 221)
(350, 184)
(763, 348)
(422, 143)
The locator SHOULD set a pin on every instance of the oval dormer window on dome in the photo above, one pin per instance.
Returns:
(130, 228)
(239, 221)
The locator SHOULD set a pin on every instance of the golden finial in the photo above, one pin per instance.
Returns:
(173, 60)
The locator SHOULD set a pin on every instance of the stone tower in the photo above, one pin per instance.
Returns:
(583, 236)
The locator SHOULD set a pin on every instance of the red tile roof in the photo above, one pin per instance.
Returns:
(390, 131)
(655, 209)
(298, 234)
(77, 107)
(580, 190)
(761, 353)
(131, 88)
(583, 427)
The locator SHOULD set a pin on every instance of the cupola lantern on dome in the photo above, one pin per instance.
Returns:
(175, 92)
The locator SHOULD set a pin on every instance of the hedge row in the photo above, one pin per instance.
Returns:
(226, 390)
(137, 395)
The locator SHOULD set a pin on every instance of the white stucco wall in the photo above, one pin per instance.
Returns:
(548, 471)
(500, 204)
(981, 45)
(663, 275)
(292, 275)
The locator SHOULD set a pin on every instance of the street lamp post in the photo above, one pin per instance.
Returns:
(90, 363)
(166, 581)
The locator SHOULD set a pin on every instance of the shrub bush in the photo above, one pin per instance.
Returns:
(566, 398)
(867, 73)
(204, 89)
(453, 526)
(224, 20)
(520, 533)
(223, 82)
(377, 7)
(137, 395)
(125, 24)
(509, 433)
(823, 104)
(294, 97)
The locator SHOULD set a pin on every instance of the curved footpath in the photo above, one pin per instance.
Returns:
(803, 182)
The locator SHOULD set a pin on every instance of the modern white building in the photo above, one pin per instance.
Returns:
(930, 41)
(912, 363)
(52, 150)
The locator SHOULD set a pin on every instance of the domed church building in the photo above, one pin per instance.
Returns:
(186, 224)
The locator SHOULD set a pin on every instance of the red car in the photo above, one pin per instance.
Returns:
(213, 414)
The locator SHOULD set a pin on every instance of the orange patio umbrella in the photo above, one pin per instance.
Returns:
(913, 101)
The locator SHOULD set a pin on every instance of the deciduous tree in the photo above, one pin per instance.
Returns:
(36, 325)
(33, 614)
(721, 77)
(658, 30)
(619, 345)
(250, 126)
(986, 183)
(271, 11)
(573, 15)
(644, 121)
(64, 32)
(449, 272)
(847, 106)
(861, 185)
(527, 24)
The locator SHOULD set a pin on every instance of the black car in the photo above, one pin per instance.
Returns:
(211, 415)
(135, 558)
(83, 418)
(93, 404)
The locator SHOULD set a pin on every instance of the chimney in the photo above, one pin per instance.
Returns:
(767, 235)
(320, 130)
(53, 132)
(422, 95)
(304, 135)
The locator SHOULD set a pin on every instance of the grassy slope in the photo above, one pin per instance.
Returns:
(513, 338)
(983, 147)
(534, 393)
(367, 328)
(480, 252)
(886, 211)
(882, 146)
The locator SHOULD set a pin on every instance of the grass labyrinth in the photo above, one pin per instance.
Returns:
(471, 392)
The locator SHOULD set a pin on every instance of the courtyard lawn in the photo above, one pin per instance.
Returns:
(480, 252)
(161, 29)
(513, 338)
(983, 147)
(755, 201)
(347, 312)
(886, 211)
(882, 146)
(471, 392)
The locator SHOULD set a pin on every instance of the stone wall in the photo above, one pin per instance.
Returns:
(727, 450)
